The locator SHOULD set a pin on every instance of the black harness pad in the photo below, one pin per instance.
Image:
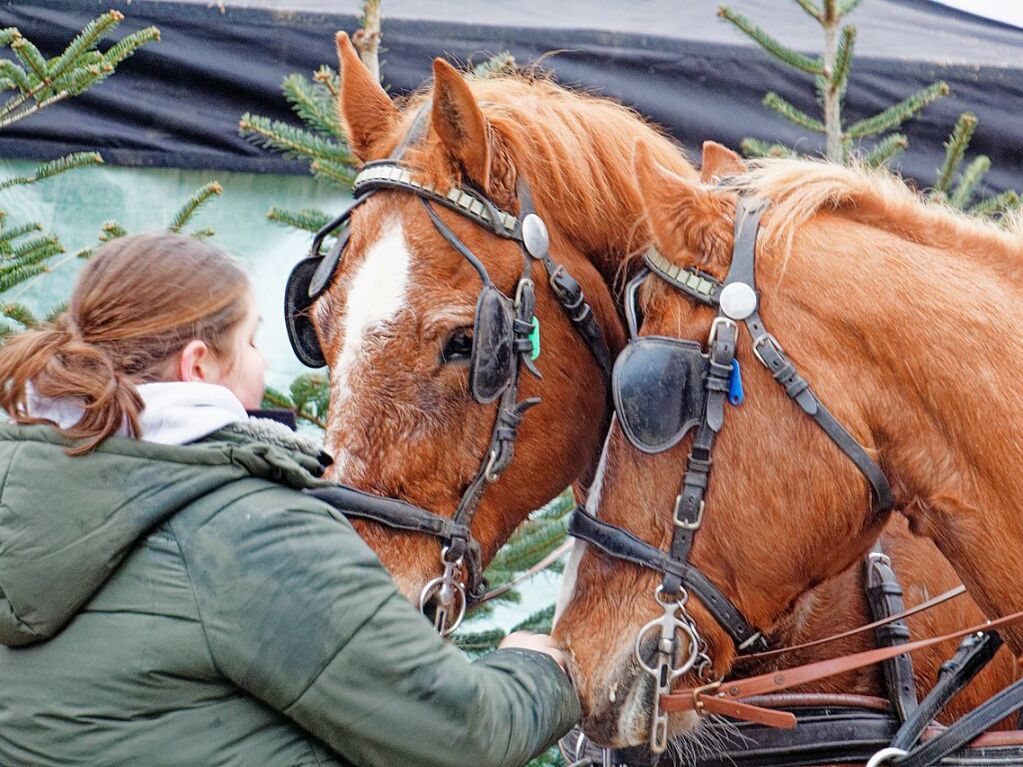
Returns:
(658, 387)
(493, 353)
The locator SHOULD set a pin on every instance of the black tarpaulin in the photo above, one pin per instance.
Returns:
(177, 102)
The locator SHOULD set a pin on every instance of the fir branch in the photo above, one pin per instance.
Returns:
(974, 172)
(804, 63)
(9, 279)
(8, 35)
(313, 104)
(11, 71)
(955, 150)
(898, 113)
(54, 167)
(126, 46)
(478, 641)
(31, 58)
(754, 147)
(32, 250)
(86, 40)
(329, 79)
(56, 311)
(843, 60)
(196, 201)
(811, 8)
(276, 399)
(293, 142)
(499, 64)
(339, 174)
(7, 235)
(524, 549)
(775, 102)
(20, 314)
(999, 204)
(886, 149)
(848, 7)
(539, 622)
(111, 230)
(307, 219)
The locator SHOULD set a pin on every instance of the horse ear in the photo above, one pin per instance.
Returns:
(686, 219)
(720, 162)
(366, 111)
(460, 123)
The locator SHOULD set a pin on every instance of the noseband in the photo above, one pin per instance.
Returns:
(737, 301)
(505, 339)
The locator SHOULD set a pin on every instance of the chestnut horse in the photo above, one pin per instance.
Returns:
(396, 323)
(890, 308)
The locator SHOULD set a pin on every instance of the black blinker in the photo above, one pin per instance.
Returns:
(493, 354)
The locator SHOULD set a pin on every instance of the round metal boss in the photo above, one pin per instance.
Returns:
(534, 235)
(738, 300)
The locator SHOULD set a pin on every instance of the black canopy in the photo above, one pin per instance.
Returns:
(177, 103)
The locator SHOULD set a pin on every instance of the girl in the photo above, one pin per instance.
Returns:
(168, 597)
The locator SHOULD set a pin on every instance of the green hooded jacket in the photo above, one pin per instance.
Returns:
(184, 605)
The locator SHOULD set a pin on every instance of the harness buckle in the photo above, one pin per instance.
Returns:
(766, 338)
(716, 325)
(699, 691)
(879, 557)
(685, 524)
(489, 474)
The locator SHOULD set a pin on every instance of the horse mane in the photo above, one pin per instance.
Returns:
(576, 150)
(799, 189)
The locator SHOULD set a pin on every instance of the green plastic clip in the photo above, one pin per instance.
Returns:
(534, 338)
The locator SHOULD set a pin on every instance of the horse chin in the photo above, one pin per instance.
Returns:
(622, 717)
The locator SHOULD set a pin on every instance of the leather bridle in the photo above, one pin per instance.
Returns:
(736, 300)
(502, 346)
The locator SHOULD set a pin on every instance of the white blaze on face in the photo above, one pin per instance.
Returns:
(375, 296)
(567, 590)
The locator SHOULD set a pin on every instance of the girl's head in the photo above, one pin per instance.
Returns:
(146, 308)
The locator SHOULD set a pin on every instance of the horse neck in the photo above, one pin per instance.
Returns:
(918, 346)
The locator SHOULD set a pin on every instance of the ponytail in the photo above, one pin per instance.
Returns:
(135, 306)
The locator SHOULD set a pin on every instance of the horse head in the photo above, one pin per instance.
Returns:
(408, 338)
(766, 536)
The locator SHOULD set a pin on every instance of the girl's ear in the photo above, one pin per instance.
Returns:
(197, 363)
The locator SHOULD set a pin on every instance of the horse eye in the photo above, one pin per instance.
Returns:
(458, 347)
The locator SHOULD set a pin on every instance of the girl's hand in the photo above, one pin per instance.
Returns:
(527, 640)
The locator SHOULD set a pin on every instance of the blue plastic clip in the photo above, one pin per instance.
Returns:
(735, 392)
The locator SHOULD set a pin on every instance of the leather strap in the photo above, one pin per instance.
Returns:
(619, 543)
(884, 596)
(975, 652)
(966, 728)
(922, 607)
(686, 700)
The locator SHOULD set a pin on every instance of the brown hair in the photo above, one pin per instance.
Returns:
(137, 303)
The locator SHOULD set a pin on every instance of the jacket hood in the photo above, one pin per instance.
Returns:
(67, 523)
